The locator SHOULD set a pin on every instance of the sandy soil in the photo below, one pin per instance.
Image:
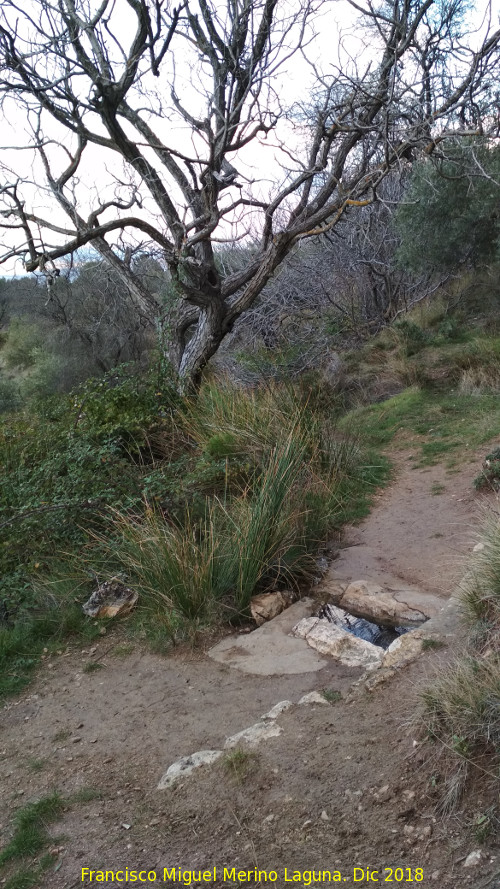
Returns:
(346, 785)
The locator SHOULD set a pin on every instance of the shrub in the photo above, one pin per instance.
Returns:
(490, 475)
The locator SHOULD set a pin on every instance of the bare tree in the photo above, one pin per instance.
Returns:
(180, 103)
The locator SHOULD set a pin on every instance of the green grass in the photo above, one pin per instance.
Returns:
(93, 667)
(441, 424)
(431, 644)
(86, 795)
(24, 857)
(30, 828)
(239, 764)
(331, 695)
(437, 489)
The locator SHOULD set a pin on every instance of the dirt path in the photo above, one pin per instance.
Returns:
(344, 785)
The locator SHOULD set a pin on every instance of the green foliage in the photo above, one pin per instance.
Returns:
(239, 764)
(481, 585)
(9, 395)
(450, 212)
(462, 705)
(221, 445)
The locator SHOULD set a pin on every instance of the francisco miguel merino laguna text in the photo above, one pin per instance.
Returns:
(231, 875)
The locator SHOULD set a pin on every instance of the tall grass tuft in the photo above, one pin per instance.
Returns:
(253, 421)
(192, 570)
(264, 539)
(171, 565)
(462, 705)
(480, 589)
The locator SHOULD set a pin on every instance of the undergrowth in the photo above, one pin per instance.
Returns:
(197, 502)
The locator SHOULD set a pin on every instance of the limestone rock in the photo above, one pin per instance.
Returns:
(185, 766)
(403, 650)
(275, 711)
(254, 734)
(267, 606)
(338, 643)
(389, 607)
(313, 697)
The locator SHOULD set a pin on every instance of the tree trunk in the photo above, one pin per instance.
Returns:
(206, 339)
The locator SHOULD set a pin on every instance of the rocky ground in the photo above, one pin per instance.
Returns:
(348, 785)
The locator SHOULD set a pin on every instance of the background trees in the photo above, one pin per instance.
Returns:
(451, 212)
(175, 110)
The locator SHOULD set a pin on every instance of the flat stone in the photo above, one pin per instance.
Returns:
(271, 650)
(388, 606)
(253, 735)
(338, 643)
(185, 766)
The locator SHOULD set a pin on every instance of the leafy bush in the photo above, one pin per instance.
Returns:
(9, 395)
(64, 462)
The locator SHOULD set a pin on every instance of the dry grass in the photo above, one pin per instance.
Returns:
(462, 705)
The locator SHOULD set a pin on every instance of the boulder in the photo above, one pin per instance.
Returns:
(313, 697)
(267, 606)
(338, 643)
(277, 710)
(110, 599)
(389, 607)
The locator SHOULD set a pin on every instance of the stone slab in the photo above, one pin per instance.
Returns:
(270, 650)
(401, 606)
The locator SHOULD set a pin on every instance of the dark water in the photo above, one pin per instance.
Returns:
(363, 629)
